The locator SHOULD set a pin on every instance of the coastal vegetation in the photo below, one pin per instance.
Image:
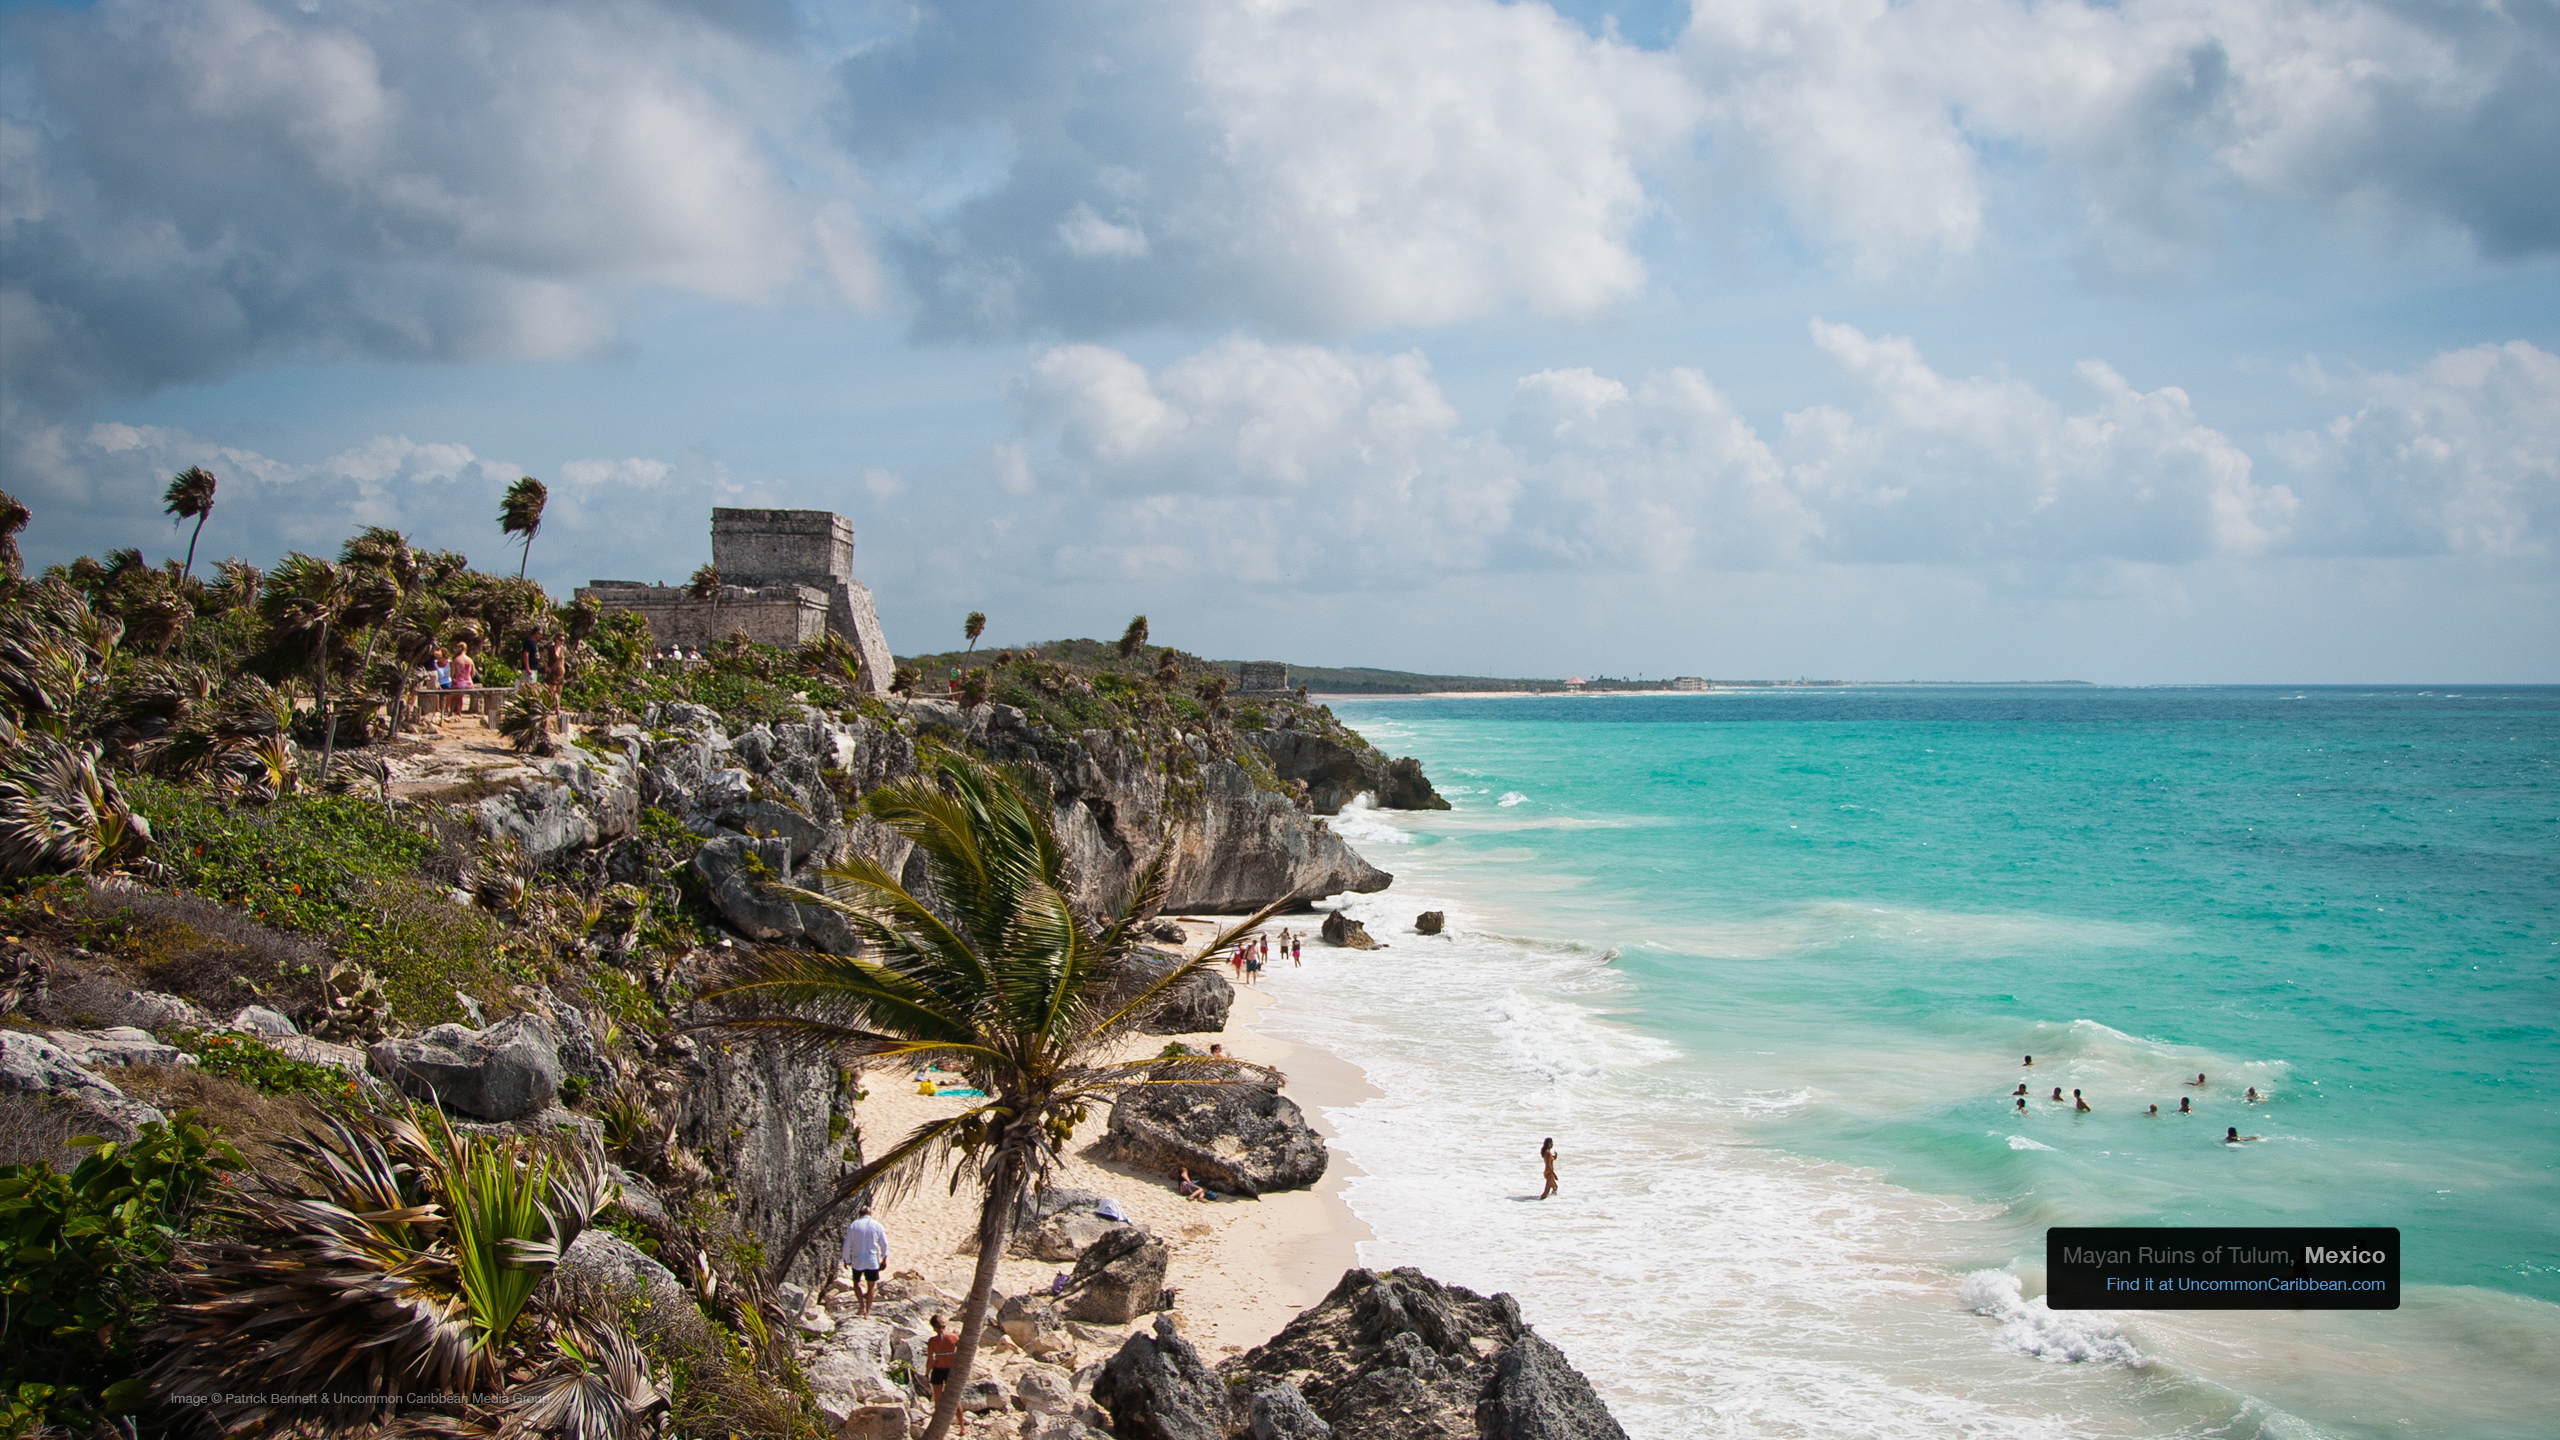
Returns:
(243, 874)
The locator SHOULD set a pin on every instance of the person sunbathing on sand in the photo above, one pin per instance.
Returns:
(1192, 1189)
(2233, 1136)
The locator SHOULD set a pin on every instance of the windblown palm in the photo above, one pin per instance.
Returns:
(190, 497)
(520, 513)
(307, 598)
(1024, 995)
(973, 627)
(14, 516)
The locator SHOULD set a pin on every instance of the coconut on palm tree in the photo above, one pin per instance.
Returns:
(190, 497)
(520, 513)
(1000, 977)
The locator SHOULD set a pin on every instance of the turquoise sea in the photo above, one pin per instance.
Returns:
(1765, 963)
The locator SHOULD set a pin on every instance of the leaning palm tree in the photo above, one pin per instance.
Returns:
(973, 627)
(1134, 638)
(306, 598)
(997, 974)
(190, 497)
(521, 514)
(14, 516)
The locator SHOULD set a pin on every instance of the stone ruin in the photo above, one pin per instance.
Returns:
(1262, 677)
(786, 578)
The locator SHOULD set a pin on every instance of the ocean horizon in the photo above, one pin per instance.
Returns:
(1764, 963)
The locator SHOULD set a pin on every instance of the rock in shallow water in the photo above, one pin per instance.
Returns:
(1340, 929)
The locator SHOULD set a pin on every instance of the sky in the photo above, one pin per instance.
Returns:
(2156, 341)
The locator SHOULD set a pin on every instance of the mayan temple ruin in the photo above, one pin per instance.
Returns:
(786, 578)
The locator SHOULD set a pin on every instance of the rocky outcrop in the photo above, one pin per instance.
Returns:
(1196, 1006)
(1399, 1356)
(116, 1046)
(1119, 1278)
(1061, 1224)
(1157, 1388)
(34, 1066)
(580, 800)
(506, 1072)
(601, 1258)
(1242, 1137)
(1340, 929)
(1429, 922)
(771, 800)
(759, 1115)
(1338, 769)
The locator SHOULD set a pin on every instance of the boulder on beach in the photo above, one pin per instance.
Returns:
(1429, 922)
(1400, 1356)
(1197, 1006)
(1340, 929)
(1157, 1388)
(1237, 1137)
(1120, 1278)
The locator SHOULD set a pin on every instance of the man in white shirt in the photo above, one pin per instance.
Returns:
(866, 1254)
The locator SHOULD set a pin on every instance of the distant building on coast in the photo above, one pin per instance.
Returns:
(1262, 677)
(1688, 682)
(1575, 683)
(786, 578)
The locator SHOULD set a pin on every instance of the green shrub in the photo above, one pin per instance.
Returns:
(77, 1256)
(255, 1063)
(343, 870)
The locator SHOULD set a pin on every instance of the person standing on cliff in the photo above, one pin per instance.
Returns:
(866, 1254)
(1547, 1157)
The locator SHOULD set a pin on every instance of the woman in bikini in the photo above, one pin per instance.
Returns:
(1547, 1157)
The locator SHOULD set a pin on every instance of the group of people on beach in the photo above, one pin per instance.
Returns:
(2079, 1103)
(1248, 958)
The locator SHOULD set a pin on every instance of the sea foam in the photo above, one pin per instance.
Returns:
(2030, 1327)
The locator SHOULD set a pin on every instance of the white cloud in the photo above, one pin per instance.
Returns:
(197, 188)
(1876, 123)
(1317, 167)
(1245, 446)
(635, 517)
(2461, 455)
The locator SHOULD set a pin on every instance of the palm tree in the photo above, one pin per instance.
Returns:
(521, 514)
(999, 975)
(307, 597)
(14, 516)
(190, 496)
(385, 570)
(705, 585)
(1133, 637)
(973, 627)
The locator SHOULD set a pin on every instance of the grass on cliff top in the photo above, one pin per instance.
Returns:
(337, 868)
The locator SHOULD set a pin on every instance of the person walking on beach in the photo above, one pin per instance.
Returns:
(1547, 1157)
(1235, 959)
(866, 1254)
(1253, 968)
(1293, 953)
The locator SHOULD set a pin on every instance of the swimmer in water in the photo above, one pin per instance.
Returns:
(2155, 1110)
(2199, 1080)
(2022, 1104)
(2186, 1106)
(2253, 1094)
(2030, 1060)
(2021, 1090)
(2079, 1104)
(2057, 1094)
(2233, 1136)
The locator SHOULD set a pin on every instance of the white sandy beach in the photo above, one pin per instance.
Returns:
(1241, 1269)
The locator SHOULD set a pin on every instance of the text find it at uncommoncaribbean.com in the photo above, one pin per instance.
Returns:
(2258, 1267)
